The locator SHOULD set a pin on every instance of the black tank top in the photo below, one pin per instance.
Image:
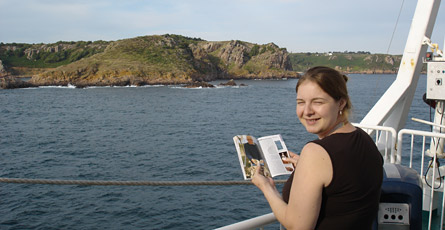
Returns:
(351, 200)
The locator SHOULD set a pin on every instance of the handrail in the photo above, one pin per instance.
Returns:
(424, 134)
(413, 132)
(253, 223)
(389, 141)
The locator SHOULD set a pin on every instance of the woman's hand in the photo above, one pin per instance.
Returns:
(260, 180)
(293, 159)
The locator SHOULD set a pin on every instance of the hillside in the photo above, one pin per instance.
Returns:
(165, 59)
(21, 58)
(347, 62)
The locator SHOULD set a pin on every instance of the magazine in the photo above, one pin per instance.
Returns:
(267, 151)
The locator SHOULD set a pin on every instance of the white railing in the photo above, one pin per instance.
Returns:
(428, 193)
(384, 138)
(254, 223)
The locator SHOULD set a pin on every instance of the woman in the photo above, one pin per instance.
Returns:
(337, 178)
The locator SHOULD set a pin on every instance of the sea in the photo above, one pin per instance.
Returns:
(151, 133)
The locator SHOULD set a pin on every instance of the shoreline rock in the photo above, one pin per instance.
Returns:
(199, 84)
(9, 82)
(231, 82)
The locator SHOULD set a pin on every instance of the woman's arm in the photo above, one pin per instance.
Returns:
(312, 173)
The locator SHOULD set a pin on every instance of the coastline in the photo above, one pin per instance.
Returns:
(26, 81)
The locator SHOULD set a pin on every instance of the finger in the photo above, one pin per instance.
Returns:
(290, 160)
(292, 154)
(258, 170)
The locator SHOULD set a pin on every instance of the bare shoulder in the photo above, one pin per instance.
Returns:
(312, 150)
(314, 158)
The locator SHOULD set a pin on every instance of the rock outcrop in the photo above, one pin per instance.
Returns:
(3, 72)
(231, 82)
(13, 83)
(237, 59)
(199, 84)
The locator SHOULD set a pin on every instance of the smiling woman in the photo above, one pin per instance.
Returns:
(337, 178)
(322, 102)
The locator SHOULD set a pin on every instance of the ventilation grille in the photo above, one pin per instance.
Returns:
(393, 213)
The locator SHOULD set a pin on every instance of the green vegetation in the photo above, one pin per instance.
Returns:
(48, 55)
(150, 53)
(255, 50)
(347, 61)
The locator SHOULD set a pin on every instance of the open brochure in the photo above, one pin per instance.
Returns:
(267, 151)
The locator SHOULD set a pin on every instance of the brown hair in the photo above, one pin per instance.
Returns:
(332, 82)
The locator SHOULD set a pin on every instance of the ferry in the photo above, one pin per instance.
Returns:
(413, 192)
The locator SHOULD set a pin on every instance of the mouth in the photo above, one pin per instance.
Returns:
(312, 121)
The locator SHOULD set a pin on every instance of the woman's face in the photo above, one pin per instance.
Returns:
(317, 111)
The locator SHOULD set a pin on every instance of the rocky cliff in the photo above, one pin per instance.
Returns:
(171, 59)
(3, 71)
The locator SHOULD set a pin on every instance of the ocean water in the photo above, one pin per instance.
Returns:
(157, 133)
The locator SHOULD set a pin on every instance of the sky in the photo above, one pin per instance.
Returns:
(297, 25)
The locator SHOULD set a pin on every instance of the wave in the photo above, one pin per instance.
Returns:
(70, 86)
(56, 87)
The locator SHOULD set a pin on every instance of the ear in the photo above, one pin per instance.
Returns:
(342, 104)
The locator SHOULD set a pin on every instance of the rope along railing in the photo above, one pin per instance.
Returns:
(125, 183)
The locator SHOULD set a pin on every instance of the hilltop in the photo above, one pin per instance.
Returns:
(348, 62)
(157, 59)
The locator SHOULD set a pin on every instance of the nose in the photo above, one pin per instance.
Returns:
(304, 109)
(308, 109)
